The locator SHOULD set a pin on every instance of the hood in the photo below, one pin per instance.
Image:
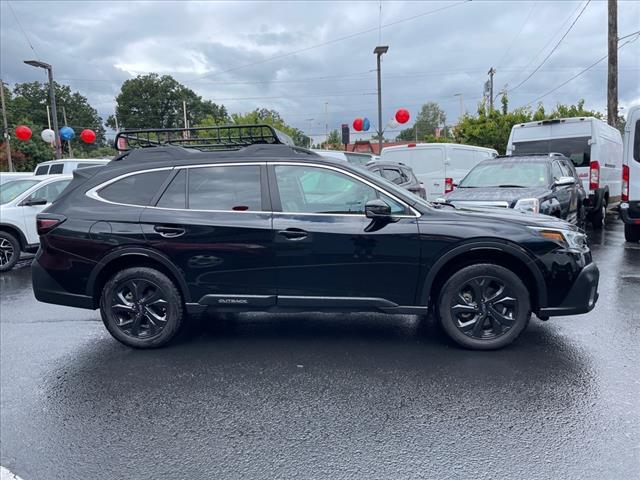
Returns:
(496, 194)
(510, 215)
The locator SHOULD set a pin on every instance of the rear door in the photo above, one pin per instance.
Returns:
(327, 251)
(214, 223)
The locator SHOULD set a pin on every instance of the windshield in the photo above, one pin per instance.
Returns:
(10, 190)
(507, 174)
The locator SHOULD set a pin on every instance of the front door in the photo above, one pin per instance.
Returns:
(48, 192)
(326, 247)
(214, 223)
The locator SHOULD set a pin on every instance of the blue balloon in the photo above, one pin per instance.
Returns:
(366, 124)
(67, 133)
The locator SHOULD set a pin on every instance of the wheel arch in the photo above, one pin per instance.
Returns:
(501, 253)
(16, 232)
(133, 257)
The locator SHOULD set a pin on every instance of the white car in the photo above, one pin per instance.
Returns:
(67, 165)
(438, 166)
(355, 158)
(630, 206)
(594, 147)
(10, 176)
(20, 201)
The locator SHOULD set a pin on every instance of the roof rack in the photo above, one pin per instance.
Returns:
(224, 137)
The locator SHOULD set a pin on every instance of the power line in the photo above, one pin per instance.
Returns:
(583, 71)
(22, 29)
(553, 49)
(335, 40)
(630, 35)
(513, 41)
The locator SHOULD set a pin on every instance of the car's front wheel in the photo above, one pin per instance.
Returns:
(141, 307)
(9, 251)
(484, 306)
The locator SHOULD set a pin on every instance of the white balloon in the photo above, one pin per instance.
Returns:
(48, 135)
(393, 123)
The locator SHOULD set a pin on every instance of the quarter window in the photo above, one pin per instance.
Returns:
(175, 196)
(319, 190)
(136, 189)
(234, 188)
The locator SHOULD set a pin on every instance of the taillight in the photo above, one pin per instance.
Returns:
(411, 145)
(625, 183)
(45, 224)
(448, 185)
(594, 175)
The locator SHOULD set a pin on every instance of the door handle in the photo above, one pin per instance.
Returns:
(169, 232)
(294, 234)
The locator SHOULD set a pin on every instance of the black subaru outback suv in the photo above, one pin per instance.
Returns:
(236, 219)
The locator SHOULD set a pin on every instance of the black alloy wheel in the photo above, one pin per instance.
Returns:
(484, 306)
(9, 251)
(141, 307)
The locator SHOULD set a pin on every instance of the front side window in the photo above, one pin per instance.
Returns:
(9, 191)
(556, 171)
(50, 191)
(233, 188)
(137, 189)
(319, 190)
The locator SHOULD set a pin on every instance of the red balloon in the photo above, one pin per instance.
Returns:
(402, 115)
(88, 136)
(358, 123)
(23, 132)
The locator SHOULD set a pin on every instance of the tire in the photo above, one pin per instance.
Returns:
(598, 217)
(581, 218)
(9, 251)
(141, 307)
(484, 325)
(632, 233)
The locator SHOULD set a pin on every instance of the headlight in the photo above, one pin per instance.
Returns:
(566, 238)
(528, 205)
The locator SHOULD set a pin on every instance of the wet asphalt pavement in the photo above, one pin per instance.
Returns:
(324, 396)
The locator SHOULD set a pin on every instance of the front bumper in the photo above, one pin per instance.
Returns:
(582, 296)
(47, 290)
(630, 213)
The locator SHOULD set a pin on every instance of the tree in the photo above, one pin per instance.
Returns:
(431, 116)
(273, 118)
(153, 101)
(333, 142)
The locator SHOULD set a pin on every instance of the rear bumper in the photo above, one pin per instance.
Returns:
(582, 296)
(630, 212)
(47, 290)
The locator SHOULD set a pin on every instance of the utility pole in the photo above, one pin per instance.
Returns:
(612, 77)
(7, 138)
(52, 94)
(461, 103)
(491, 73)
(379, 51)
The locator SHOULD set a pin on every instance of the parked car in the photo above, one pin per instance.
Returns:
(20, 201)
(10, 176)
(439, 166)
(68, 165)
(594, 147)
(547, 184)
(164, 231)
(398, 173)
(356, 158)
(630, 206)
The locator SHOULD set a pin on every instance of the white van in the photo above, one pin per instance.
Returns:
(630, 206)
(67, 165)
(594, 147)
(439, 166)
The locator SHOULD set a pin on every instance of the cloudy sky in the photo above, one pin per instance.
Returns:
(304, 57)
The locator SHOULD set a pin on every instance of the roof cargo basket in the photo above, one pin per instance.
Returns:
(226, 137)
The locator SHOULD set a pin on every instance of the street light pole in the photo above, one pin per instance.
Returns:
(52, 94)
(379, 51)
(7, 137)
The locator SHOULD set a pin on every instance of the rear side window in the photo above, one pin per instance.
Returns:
(56, 168)
(636, 142)
(394, 175)
(232, 188)
(577, 149)
(175, 196)
(137, 189)
(42, 170)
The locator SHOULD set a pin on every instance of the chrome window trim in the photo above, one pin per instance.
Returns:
(93, 193)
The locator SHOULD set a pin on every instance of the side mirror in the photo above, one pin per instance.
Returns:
(377, 209)
(32, 202)
(564, 181)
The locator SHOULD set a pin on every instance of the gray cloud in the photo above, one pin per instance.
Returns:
(95, 46)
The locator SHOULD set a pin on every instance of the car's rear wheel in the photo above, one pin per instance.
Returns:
(484, 306)
(598, 216)
(632, 233)
(141, 307)
(9, 251)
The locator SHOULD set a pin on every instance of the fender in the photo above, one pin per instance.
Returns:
(479, 244)
(21, 238)
(550, 206)
(139, 252)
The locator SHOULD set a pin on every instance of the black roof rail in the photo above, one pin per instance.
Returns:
(217, 137)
